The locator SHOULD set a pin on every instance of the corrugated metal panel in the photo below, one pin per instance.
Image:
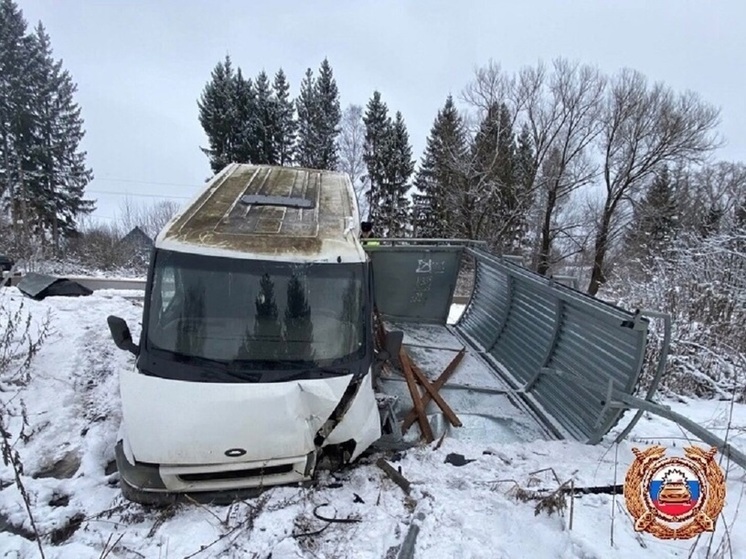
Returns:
(549, 336)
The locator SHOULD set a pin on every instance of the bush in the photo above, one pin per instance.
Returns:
(701, 283)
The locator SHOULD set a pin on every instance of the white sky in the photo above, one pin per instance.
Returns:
(141, 65)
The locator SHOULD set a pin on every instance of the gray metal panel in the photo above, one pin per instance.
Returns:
(547, 336)
(415, 283)
(33, 284)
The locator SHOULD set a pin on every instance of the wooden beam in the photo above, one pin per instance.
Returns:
(438, 384)
(419, 408)
(433, 393)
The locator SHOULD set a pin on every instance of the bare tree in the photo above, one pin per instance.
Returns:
(712, 197)
(490, 86)
(644, 127)
(351, 146)
(151, 218)
(564, 121)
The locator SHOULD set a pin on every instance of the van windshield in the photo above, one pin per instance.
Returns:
(256, 315)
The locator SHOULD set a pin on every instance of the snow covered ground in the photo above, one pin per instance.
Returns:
(72, 406)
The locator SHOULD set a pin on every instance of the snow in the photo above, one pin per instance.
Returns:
(73, 410)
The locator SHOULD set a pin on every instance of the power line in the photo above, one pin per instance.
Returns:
(133, 181)
(119, 193)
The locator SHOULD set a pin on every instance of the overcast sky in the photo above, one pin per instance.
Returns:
(140, 65)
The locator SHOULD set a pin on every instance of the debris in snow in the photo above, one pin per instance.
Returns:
(407, 548)
(40, 286)
(457, 459)
(399, 479)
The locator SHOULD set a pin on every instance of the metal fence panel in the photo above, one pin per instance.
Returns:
(415, 283)
(549, 338)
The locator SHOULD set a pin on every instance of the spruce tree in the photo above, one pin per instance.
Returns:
(16, 113)
(60, 172)
(219, 118)
(308, 109)
(286, 126)
(376, 155)
(655, 218)
(43, 174)
(400, 167)
(441, 179)
(494, 155)
(266, 112)
(524, 176)
(245, 129)
(329, 117)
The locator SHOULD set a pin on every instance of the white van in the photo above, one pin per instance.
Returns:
(257, 350)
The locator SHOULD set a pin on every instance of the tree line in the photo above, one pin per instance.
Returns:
(557, 162)
(253, 120)
(43, 171)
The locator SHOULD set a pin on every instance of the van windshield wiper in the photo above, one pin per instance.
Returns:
(305, 373)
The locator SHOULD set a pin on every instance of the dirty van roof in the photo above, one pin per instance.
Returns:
(269, 212)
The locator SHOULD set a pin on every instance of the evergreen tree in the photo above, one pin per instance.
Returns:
(42, 171)
(494, 156)
(245, 129)
(524, 166)
(329, 117)
(219, 118)
(266, 113)
(16, 115)
(308, 110)
(286, 126)
(400, 167)
(441, 179)
(376, 155)
(319, 116)
(524, 171)
(655, 218)
(60, 172)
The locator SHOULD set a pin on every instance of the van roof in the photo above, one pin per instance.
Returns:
(270, 213)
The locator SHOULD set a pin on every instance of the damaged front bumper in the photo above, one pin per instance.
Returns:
(153, 484)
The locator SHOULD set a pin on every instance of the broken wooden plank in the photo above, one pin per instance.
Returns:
(438, 384)
(433, 393)
(397, 478)
(419, 408)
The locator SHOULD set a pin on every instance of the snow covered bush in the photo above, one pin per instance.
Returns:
(21, 337)
(701, 283)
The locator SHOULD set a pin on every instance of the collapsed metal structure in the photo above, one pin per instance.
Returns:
(560, 358)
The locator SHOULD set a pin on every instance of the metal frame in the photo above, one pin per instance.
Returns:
(582, 312)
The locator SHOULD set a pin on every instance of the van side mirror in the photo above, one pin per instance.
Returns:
(121, 335)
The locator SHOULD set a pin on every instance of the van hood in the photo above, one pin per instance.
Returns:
(173, 422)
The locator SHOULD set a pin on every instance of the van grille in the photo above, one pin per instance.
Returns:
(239, 474)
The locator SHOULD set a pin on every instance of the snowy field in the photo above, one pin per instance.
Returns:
(72, 407)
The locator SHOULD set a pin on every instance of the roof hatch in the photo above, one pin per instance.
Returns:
(284, 201)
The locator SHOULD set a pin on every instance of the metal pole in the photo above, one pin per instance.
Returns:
(694, 428)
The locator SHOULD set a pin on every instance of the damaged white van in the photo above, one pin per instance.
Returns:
(256, 350)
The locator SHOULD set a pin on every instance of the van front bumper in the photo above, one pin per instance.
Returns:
(154, 484)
